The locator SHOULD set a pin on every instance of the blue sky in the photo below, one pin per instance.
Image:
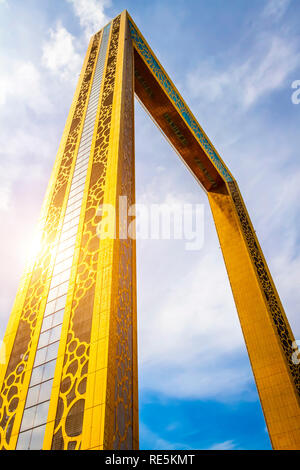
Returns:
(233, 62)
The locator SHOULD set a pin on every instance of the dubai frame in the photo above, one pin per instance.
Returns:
(70, 380)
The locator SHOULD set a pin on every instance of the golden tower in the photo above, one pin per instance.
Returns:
(70, 380)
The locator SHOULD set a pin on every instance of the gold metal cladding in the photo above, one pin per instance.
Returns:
(249, 277)
(54, 401)
(94, 400)
(71, 403)
(17, 376)
(112, 383)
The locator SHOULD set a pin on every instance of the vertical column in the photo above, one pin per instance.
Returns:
(102, 305)
(66, 407)
(112, 398)
(23, 336)
(35, 415)
(267, 334)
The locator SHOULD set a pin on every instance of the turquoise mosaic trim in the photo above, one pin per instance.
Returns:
(156, 69)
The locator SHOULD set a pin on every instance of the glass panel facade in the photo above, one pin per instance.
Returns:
(39, 392)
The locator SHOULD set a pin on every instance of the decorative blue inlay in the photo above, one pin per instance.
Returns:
(192, 123)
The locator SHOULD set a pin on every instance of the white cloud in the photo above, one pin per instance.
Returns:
(190, 329)
(154, 441)
(264, 70)
(275, 9)
(18, 83)
(91, 14)
(226, 445)
(60, 55)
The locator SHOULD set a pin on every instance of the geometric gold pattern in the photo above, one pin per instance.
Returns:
(70, 381)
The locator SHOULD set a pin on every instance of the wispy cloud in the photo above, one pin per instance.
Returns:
(263, 70)
(154, 441)
(226, 445)
(17, 83)
(275, 9)
(60, 55)
(91, 14)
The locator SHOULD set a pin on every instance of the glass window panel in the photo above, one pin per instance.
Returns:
(41, 413)
(58, 317)
(75, 205)
(79, 161)
(66, 253)
(84, 146)
(85, 153)
(49, 308)
(90, 121)
(55, 281)
(77, 189)
(79, 184)
(63, 265)
(60, 302)
(81, 164)
(52, 294)
(65, 275)
(45, 391)
(37, 375)
(68, 218)
(89, 117)
(79, 174)
(44, 339)
(75, 198)
(33, 396)
(92, 109)
(69, 233)
(63, 288)
(86, 138)
(90, 124)
(37, 438)
(79, 179)
(47, 322)
(94, 98)
(80, 171)
(55, 334)
(28, 418)
(52, 351)
(93, 102)
(67, 243)
(66, 226)
(24, 440)
(74, 193)
(40, 356)
(83, 158)
(49, 369)
(88, 128)
(74, 222)
(82, 143)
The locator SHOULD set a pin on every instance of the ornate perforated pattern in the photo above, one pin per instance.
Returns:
(69, 418)
(277, 315)
(119, 421)
(10, 392)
